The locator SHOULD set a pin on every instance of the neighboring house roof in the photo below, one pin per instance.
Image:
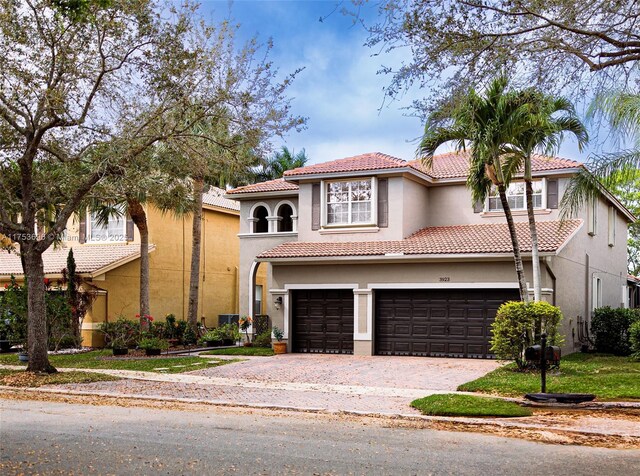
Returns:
(484, 239)
(90, 259)
(215, 197)
(277, 185)
(633, 279)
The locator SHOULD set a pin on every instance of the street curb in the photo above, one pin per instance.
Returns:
(478, 422)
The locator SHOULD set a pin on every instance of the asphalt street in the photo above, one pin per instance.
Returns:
(58, 438)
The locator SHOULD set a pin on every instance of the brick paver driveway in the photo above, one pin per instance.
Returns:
(391, 372)
(312, 382)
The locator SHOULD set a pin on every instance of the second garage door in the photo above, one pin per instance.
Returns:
(436, 322)
(323, 321)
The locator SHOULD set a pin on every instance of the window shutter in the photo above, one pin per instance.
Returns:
(383, 203)
(478, 206)
(315, 206)
(130, 232)
(552, 194)
(82, 229)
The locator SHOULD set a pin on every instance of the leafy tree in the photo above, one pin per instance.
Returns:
(87, 87)
(559, 45)
(281, 161)
(486, 124)
(545, 121)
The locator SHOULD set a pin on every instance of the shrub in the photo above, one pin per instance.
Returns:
(189, 337)
(519, 325)
(121, 334)
(610, 330)
(211, 336)
(263, 339)
(634, 339)
(153, 343)
(230, 331)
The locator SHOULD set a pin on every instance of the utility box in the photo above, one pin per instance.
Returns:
(228, 319)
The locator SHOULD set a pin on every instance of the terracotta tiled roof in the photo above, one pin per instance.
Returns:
(369, 161)
(89, 258)
(635, 279)
(276, 185)
(462, 239)
(456, 164)
(215, 197)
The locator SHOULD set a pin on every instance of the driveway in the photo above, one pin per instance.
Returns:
(304, 381)
(421, 373)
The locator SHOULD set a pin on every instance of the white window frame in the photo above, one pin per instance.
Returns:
(257, 298)
(324, 184)
(543, 198)
(596, 293)
(612, 226)
(89, 229)
(592, 217)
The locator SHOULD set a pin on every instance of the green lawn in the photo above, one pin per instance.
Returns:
(606, 376)
(260, 351)
(467, 405)
(20, 378)
(96, 360)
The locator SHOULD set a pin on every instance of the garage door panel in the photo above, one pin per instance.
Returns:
(323, 321)
(457, 322)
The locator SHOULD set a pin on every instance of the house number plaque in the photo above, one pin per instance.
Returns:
(445, 279)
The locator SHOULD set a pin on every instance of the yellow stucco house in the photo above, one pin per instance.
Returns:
(108, 258)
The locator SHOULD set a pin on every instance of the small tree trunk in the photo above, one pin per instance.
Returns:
(139, 217)
(522, 282)
(37, 341)
(535, 255)
(194, 284)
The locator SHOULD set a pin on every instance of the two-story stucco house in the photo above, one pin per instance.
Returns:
(374, 255)
(108, 258)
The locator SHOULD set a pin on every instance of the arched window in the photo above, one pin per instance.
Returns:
(285, 212)
(261, 224)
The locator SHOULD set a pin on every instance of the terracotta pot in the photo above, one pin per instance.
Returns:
(153, 351)
(279, 347)
(248, 344)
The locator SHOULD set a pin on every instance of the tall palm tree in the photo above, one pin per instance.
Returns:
(546, 121)
(283, 160)
(486, 123)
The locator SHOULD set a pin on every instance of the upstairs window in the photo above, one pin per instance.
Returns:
(261, 224)
(516, 196)
(349, 202)
(114, 230)
(285, 212)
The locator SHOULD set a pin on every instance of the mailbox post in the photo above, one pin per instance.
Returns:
(543, 363)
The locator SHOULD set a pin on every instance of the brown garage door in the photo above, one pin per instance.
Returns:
(435, 322)
(323, 321)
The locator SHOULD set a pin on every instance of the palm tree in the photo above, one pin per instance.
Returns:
(283, 160)
(621, 109)
(486, 124)
(543, 128)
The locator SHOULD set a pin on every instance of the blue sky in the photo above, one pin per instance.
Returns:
(339, 90)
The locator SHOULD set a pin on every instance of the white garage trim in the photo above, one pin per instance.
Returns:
(448, 285)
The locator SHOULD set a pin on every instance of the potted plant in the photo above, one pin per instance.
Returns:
(119, 346)
(230, 334)
(212, 338)
(245, 323)
(279, 347)
(153, 345)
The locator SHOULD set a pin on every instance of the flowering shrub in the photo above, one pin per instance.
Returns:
(245, 322)
(121, 334)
